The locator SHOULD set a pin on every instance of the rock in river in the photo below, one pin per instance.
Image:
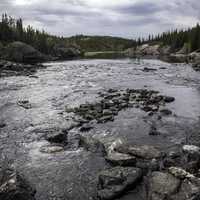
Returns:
(51, 149)
(162, 185)
(142, 151)
(115, 181)
(14, 187)
(91, 144)
(57, 136)
(25, 104)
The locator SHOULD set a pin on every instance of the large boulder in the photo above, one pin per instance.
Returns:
(162, 185)
(23, 53)
(115, 181)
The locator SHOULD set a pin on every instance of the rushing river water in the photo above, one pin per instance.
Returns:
(72, 174)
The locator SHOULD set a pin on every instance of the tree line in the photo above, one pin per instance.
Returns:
(13, 30)
(176, 39)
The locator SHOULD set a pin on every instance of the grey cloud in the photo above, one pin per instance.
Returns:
(68, 17)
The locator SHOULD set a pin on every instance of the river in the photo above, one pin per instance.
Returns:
(72, 174)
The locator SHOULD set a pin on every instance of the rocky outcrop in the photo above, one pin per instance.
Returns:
(148, 50)
(61, 51)
(23, 53)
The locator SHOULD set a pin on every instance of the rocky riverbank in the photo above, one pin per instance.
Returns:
(8, 68)
(166, 52)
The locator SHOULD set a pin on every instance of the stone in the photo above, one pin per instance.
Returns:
(147, 69)
(113, 182)
(180, 173)
(153, 131)
(161, 185)
(91, 144)
(85, 128)
(25, 104)
(2, 124)
(51, 149)
(14, 187)
(142, 151)
(120, 159)
(166, 112)
(191, 149)
(57, 136)
(168, 99)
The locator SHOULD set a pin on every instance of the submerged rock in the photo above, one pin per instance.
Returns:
(51, 149)
(168, 99)
(166, 111)
(114, 101)
(114, 182)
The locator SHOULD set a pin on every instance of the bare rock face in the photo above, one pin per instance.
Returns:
(115, 181)
(14, 187)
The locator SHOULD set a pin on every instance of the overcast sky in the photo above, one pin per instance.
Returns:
(126, 18)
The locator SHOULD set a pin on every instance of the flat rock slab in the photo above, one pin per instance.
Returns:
(120, 159)
(143, 151)
(115, 181)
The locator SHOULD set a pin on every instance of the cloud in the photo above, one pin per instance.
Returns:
(127, 18)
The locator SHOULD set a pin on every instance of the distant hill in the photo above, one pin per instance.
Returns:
(101, 43)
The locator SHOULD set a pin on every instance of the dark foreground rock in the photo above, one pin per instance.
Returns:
(14, 187)
(116, 181)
